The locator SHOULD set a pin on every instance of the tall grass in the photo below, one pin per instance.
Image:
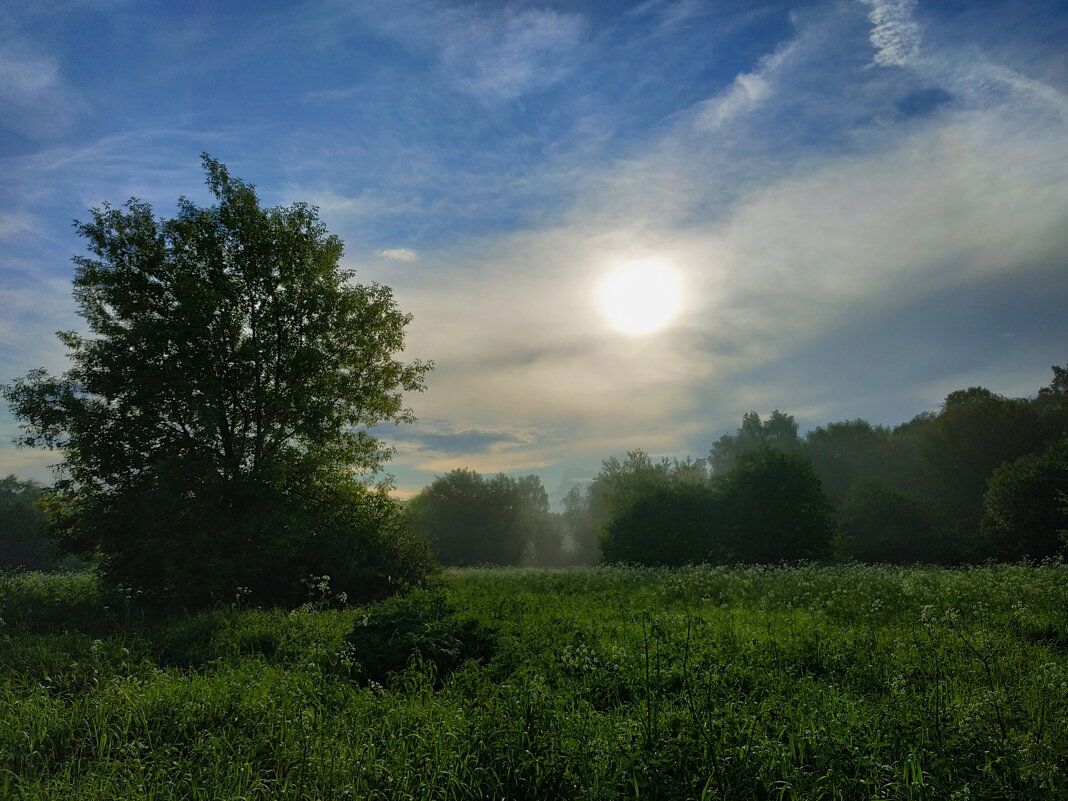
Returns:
(704, 683)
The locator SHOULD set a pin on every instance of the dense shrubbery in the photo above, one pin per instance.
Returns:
(878, 523)
(422, 626)
(1026, 511)
(23, 544)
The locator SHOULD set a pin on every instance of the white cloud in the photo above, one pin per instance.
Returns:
(895, 35)
(18, 222)
(399, 254)
(496, 53)
(27, 74)
(500, 56)
(37, 101)
(748, 91)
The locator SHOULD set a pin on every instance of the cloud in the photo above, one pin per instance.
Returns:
(777, 253)
(18, 222)
(747, 92)
(399, 254)
(501, 56)
(37, 101)
(895, 35)
(495, 53)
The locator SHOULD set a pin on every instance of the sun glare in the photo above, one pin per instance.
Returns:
(640, 297)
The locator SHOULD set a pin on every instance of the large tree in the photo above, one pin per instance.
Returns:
(213, 424)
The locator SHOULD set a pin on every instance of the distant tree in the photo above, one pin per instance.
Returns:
(582, 532)
(214, 423)
(850, 451)
(622, 482)
(544, 530)
(779, 431)
(1051, 404)
(472, 520)
(975, 432)
(22, 541)
(1024, 509)
(776, 508)
(769, 508)
(675, 524)
(877, 523)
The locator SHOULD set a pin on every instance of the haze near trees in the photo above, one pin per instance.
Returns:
(213, 421)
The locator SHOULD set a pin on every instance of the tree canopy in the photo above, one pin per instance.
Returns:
(213, 424)
(470, 519)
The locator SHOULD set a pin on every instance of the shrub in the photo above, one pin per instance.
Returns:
(420, 624)
(775, 508)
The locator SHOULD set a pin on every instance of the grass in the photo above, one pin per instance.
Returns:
(704, 683)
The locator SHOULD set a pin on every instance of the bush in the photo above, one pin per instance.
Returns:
(420, 624)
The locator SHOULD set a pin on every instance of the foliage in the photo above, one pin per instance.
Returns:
(1024, 516)
(847, 682)
(231, 372)
(776, 508)
(879, 524)
(846, 452)
(581, 529)
(768, 508)
(469, 519)
(420, 625)
(672, 525)
(779, 431)
(621, 483)
(976, 431)
(22, 521)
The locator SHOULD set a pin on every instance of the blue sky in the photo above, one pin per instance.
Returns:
(865, 201)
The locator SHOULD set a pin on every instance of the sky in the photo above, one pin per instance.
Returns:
(862, 204)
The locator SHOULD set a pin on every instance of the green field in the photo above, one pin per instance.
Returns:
(806, 683)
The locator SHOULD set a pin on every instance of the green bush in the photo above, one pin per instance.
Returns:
(420, 624)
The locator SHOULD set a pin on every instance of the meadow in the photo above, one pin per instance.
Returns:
(807, 682)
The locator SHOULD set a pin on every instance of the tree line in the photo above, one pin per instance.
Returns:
(983, 478)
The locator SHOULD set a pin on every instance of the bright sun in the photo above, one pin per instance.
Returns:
(640, 297)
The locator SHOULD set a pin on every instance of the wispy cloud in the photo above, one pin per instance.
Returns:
(37, 102)
(747, 92)
(895, 35)
(501, 56)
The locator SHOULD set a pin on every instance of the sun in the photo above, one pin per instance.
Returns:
(640, 297)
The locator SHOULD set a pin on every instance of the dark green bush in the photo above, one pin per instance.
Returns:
(419, 624)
